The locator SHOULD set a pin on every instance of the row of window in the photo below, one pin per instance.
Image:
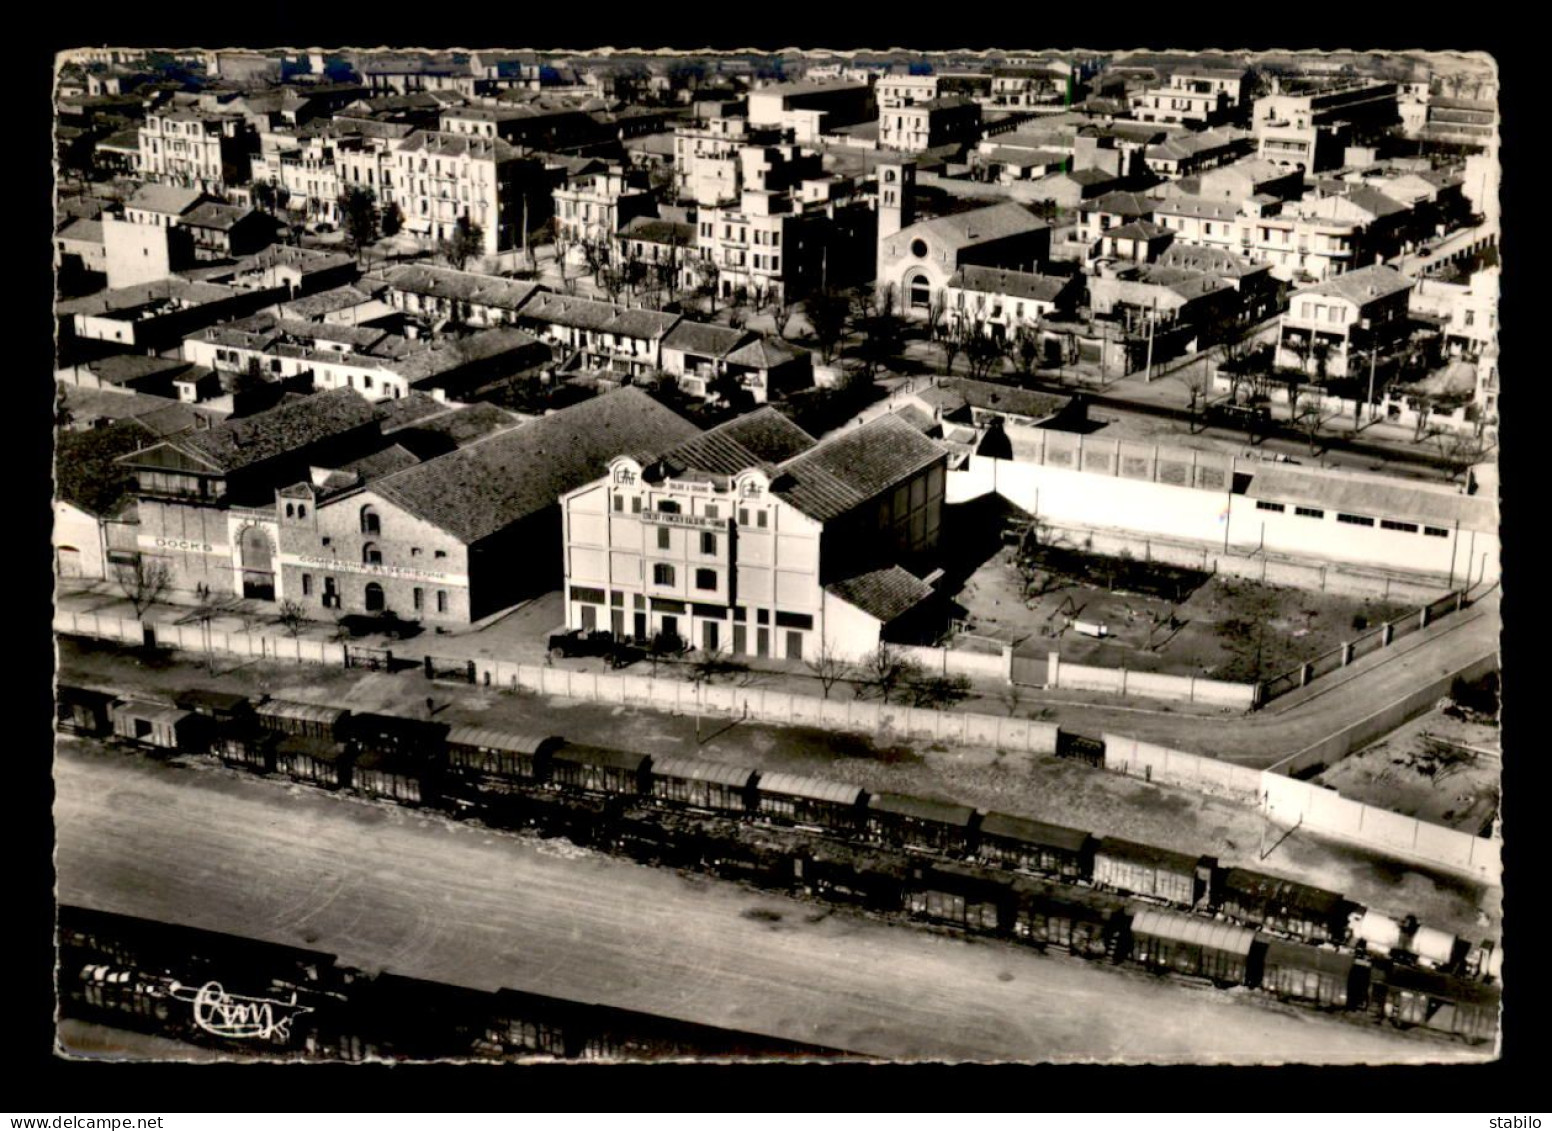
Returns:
(589, 596)
(1355, 519)
(712, 511)
(374, 594)
(665, 575)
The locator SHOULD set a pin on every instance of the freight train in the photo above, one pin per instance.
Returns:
(985, 872)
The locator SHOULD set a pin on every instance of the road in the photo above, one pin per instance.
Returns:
(383, 887)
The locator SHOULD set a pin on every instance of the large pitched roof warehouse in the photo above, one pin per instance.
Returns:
(830, 479)
(480, 489)
(167, 199)
(235, 444)
(1364, 285)
(592, 314)
(465, 286)
(762, 437)
(705, 340)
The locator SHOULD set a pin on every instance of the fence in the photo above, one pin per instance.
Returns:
(1355, 649)
(198, 638)
(883, 720)
(1148, 685)
(1321, 810)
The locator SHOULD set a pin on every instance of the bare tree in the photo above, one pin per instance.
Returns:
(1197, 379)
(145, 582)
(292, 617)
(934, 690)
(1309, 417)
(782, 312)
(889, 669)
(983, 351)
(1012, 698)
(1460, 451)
(1027, 348)
(708, 278)
(829, 315)
(828, 667)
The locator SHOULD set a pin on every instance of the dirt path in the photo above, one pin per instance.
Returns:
(387, 888)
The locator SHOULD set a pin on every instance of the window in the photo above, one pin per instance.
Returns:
(1310, 512)
(1262, 505)
(1406, 527)
(708, 543)
(371, 555)
(307, 585)
(441, 600)
(662, 574)
(290, 511)
(760, 519)
(706, 579)
(663, 540)
(370, 522)
(414, 551)
(1436, 532)
(1355, 520)
(794, 620)
(441, 553)
(635, 504)
(667, 506)
(743, 516)
(419, 599)
(711, 510)
(619, 504)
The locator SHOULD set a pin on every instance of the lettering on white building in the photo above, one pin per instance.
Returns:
(685, 520)
(372, 568)
(186, 545)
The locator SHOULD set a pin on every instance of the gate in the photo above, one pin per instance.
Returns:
(1081, 748)
(463, 671)
(1030, 671)
(372, 659)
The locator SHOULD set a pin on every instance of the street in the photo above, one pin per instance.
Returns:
(388, 888)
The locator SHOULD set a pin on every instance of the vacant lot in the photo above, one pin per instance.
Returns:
(1438, 767)
(1226, 629)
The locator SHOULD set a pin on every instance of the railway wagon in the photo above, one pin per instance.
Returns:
(397, 777)
(313, 760)
(222, 708)
(248, 747)
(155, 724)
(963, 897)
(1328, 978)
(1018, 842)
(811, 801)
(1195, 947)
(304, 720)
(417, 741)
(1282, 905)
(853, 873)
(1157, 873)
(597, 770)
(1078, 921)
(497, 761)
(81, 710)
(1408, 997)
(920, 823)
(704, 785)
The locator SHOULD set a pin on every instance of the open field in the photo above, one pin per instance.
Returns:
(1227, 629)
(389, 888)
(1437, 767)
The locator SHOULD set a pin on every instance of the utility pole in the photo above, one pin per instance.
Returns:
(1374, 354)
(1152, 318)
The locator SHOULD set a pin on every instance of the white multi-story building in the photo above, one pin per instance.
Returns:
(755, 540)
(194, 149)
(1199, 97)
(593, 208)
(441, 178)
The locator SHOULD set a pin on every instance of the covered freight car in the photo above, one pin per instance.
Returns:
(222, 708)
(1018, 842)
(313, 760)
(597, 770)
(155, 724)
(1158, 873)
(497, 761)
(811, 801)
(304, 720)
(1195, 947)
(1328, 978)
(704, 785)
(81, 710)
(1082, 922)
(963, 897)
(1282, 905)
(921, 823)
(397, 777)
(1408, 996)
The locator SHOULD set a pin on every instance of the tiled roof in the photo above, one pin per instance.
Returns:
(235, 444)
(915, 417)
(84, 231)
(445, 356)
(458, 145)
(480, 489)
(222, 217)
(122, 368)
(465, 424)
(705, 340)
(979, 225)
(1137, 230)
(395, 457)
(765, 353)
(592, 314)
(1132, 205)
(1364, 285)
(1017, 284)
(1198, 206)
(830, 479)
(144, 294)
(764, 436)
(884, 594)
(168, 199)
(325, 302)
(1006, 155)
(464, 286)
(1209, 261)
(1009, 399)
